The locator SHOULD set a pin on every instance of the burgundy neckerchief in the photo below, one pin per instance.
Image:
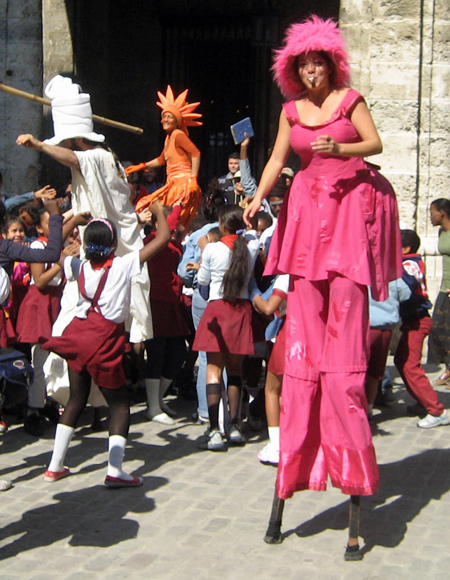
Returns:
(229, 240)
(81, 285)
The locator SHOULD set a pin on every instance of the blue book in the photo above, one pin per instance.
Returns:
(241, 127)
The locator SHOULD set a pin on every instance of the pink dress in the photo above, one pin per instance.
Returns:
(340, 214)
(337, 234)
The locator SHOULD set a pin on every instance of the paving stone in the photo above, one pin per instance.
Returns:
(203, 515)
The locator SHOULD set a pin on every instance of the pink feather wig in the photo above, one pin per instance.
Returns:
(313, 34)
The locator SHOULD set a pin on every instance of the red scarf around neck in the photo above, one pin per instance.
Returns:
(104, 264)
(229, 240)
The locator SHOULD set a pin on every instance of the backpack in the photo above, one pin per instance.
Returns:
(16, 375)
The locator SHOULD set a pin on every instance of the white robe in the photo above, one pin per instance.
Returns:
(101, 188)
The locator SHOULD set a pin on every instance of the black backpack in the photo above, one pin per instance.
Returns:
(16, 374)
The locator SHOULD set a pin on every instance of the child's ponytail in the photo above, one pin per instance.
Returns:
(236, 277)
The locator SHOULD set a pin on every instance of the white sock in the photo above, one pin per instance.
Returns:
(63, 437)
(155, 413)
(274, 437)
(116, 448)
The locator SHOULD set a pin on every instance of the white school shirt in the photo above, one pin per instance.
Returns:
(215, 261)
(57, 279)
(114, 301)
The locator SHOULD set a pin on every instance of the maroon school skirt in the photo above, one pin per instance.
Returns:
(225, 328)
(276, 361)
(37, 313)
(168, 318)
(93, 344)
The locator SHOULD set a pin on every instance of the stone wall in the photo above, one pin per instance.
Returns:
(57, 44)
(21, 68)
(400, 53)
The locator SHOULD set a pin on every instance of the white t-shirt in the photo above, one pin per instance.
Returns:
(114, 301)
(215, 261)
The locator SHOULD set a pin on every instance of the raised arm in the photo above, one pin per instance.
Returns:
(61, 154)
(162, 237)
(247, 180)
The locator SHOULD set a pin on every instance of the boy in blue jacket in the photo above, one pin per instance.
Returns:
(416, 326)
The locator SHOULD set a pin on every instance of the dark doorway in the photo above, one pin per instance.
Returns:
(220, 50)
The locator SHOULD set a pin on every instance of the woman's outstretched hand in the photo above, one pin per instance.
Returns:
(133, 168)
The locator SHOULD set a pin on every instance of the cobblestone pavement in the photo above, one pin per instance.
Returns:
(203, 515)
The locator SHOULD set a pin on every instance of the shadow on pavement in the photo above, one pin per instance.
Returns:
(93, 516)
(406, 487)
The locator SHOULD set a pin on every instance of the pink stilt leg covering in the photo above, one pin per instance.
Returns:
(323, 426)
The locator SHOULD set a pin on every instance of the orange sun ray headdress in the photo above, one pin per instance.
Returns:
(180, 109)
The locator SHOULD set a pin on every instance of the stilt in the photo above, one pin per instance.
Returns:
(353, 552)
(273, 533)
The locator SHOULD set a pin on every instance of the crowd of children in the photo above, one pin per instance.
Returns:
(224, 267)
(227, 255)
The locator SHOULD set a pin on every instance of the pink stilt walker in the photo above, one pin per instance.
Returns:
(336, 235)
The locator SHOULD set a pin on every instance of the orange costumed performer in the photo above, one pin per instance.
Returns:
(180, 155)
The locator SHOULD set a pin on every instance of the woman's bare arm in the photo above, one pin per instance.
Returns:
(273, 167)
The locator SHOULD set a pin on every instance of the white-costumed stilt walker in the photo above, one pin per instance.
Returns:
(100, 187)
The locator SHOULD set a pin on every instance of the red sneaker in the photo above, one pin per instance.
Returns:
(111, 481)
(51, 476)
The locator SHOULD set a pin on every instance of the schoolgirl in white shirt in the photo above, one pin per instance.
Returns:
(225, 331)
(94, 342)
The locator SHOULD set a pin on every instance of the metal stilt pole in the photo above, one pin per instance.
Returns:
(353, 552)
(273, 533)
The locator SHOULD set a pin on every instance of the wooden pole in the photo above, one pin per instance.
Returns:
(97, 118)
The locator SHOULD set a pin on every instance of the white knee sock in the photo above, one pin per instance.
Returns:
(155, 413)
(116, 449)
(274, 437)
(63, 436)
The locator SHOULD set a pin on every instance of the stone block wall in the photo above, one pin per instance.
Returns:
(400, 52)
(21, 68)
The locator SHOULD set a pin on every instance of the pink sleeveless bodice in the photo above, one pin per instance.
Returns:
(340, 214)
